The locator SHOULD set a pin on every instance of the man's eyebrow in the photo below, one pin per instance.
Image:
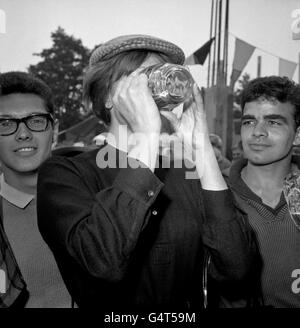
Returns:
(276, 117)
(6, 116)
(12, 116)
(248, 117)
(266, 117)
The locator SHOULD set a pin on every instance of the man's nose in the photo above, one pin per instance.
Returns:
(260, 130)
(23, 133)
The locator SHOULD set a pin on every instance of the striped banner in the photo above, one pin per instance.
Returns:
(287, 68)
(242, 54)
(200, 55)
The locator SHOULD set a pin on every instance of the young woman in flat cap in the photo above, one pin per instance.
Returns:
(132, 234)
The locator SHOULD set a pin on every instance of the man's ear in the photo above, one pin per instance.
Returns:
(297, 137)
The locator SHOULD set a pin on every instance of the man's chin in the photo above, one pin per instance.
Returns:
(259, 163)
(264, 162)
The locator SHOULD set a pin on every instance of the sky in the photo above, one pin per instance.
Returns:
(265, 24)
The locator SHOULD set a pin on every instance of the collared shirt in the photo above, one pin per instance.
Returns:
(32, 255)
(13, 195)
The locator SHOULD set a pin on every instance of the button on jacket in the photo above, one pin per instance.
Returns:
(130, 239)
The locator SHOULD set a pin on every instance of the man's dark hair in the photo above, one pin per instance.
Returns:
(21, 82)
(273, 88)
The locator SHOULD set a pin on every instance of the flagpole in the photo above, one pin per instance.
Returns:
(210, 36)
(219, 103)
(215, 43)
(225, 53)
(299, 69)
(219, 42)
(259, 66)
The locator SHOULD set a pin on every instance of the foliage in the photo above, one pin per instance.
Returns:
(62, 68)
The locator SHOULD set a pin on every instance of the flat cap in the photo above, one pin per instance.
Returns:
(123, 43)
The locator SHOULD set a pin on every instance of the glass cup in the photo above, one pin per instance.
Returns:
(170, 84)
(291, 190)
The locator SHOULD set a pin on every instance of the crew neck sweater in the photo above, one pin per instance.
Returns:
(278, 241)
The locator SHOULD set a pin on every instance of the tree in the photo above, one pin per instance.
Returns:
(243, 82)
(62, 68)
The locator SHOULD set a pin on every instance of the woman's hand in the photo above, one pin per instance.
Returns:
(133, 104)
(134, 107)
(191, 128)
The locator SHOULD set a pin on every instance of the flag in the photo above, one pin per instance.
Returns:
(296, 24)
(287, 68)
(200, 55)
(243, 52)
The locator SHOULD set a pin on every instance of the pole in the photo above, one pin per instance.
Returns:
(229, 93)
(219, 43)
(215, 43)
(219, 102)
(299, 69)
(225, 55)
(210, 36)
(258, 66)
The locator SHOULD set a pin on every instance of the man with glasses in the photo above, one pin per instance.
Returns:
(26, 133)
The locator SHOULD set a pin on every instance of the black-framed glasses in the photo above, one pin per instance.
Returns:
(35, 122)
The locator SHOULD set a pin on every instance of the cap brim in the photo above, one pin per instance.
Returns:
(137, 42)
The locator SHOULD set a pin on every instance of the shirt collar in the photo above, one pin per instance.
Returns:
(14, 196)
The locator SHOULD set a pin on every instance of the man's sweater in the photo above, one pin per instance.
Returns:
(34, 258)
(278, 241)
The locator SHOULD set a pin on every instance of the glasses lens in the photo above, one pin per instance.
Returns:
(7, 126)
(37, 123)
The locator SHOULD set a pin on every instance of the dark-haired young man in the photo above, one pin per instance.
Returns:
(26, 132)
(270, 127)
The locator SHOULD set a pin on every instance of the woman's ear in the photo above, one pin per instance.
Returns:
(108, 103)
(297, 137)
(55, 133)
